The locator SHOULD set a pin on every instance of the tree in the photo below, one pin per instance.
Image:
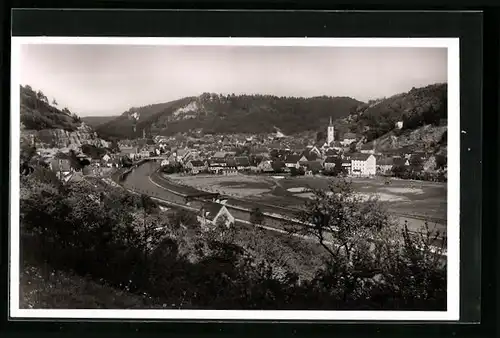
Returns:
(27, 152)
(256, 216)
(277, 166)
(416, 163)
(320, 136)
(54, 102)
(41, 96)
(352, 147)
(440, 161)
(340, 219)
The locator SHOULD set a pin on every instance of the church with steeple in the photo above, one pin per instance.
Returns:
(330, 133)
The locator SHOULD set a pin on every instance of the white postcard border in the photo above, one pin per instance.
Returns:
(453, 192)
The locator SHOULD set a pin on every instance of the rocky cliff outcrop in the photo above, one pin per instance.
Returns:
(427, 138)
(60, 138)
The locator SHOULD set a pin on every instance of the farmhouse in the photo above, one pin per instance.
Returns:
(195, 167)
(293, 161)
(216, 164)
(363, 164)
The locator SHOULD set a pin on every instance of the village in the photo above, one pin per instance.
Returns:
(251, 154)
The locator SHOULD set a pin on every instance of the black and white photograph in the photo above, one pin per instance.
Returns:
(213, 178)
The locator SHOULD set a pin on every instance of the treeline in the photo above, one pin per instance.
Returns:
(127, 242)
(37, 113)
(226, 114)
(418, 107)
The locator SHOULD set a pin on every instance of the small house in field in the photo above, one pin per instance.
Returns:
(196, 167)
(211, 213)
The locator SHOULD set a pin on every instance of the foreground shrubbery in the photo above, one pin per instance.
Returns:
(126, 241)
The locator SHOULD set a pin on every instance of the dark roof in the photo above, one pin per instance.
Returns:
(242, 161)
(211, 210)
(217, 161)
(399, 161)
(132, 150)
(349, 136)
(278, 163)
(360, 157)
(292, 158)
(231, 162)
(331, 159)
(195, 163)
(385, 161)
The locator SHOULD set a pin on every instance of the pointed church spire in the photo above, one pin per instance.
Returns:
(330, 120)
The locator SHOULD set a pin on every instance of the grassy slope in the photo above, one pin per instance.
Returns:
(42, 287)
(36, 114)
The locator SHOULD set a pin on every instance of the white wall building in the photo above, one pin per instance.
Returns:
(363, 165)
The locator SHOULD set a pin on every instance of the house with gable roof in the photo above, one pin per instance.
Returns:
(212, 212)
(363, 164)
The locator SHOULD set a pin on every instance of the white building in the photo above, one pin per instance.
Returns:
(399, 125)
(363, 165)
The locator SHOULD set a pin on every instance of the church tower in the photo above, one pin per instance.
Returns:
(330, 133)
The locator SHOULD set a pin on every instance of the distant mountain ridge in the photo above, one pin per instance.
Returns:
(224, 114)
(95, 121)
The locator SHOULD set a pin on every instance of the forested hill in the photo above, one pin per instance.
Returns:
(416, 108)
(223, 114)
(95, 121)
(37, 113)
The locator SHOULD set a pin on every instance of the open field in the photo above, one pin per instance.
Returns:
(239, 186)
(405, 198)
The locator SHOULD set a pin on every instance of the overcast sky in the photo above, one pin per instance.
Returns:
(110, 79)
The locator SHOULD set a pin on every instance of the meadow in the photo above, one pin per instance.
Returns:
(417, 199)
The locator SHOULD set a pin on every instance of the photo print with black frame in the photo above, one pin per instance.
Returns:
(238, 132)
